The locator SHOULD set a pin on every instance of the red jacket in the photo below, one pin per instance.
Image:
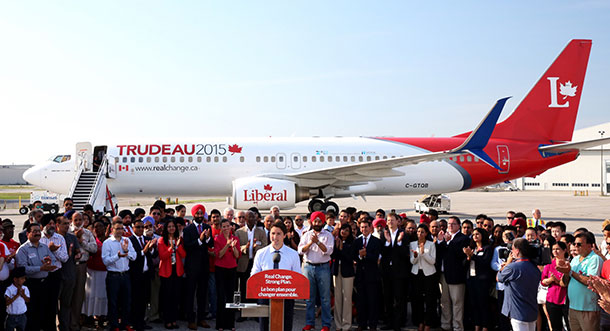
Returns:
(165, 254)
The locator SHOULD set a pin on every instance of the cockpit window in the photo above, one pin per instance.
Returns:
(61, 158)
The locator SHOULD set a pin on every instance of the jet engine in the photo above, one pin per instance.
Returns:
(264, 193)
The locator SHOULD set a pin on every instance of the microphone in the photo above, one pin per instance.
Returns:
(276, 259)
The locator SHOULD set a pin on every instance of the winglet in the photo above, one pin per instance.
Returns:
(479, 137)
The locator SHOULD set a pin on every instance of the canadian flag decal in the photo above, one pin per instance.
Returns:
(124, 168)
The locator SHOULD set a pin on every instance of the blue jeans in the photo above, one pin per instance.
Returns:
(212, 294)
(319, 282)
(15, 322)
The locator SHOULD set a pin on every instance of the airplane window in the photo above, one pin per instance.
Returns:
(116, 160)
(393, 156)
(182, 159)
(258, 159)
(208, 159)
(265, 158)
(296, 159)
(281, 158)
(172, 159)
(273, 159)
(461, 158)
(164, 159)
(313, 159)
(345, 159)
(199, 159)
(338, 158)
(190, 159)
(476, 159)
(321, 158)
(385, 157)
(360, 158)
(469, 158)
(124, 159)
(156, 159)
(216, 159)
(141, 159)
(224, 159)
(330, 159)
(148, 159)
(304, 158)
(242, 159)
(353, 159)
(368, 158)
(377, 157)
(133, 159)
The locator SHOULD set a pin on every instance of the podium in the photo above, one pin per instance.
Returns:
(277, 285)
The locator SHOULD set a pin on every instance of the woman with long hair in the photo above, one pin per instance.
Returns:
(479, 278)
(171, 254)
(96, 301)
(423, 257)
(557, 289)
(292, 236)
(226, 249)
(343, 276)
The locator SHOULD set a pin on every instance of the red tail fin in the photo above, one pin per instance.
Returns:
(548, 112)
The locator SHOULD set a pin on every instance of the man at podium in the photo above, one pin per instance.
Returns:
(277, 256)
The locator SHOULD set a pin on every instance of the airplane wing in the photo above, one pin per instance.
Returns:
(375, 170)
(578, 145)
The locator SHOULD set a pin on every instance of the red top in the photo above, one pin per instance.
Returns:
(165, 255)
(12, 245)
(228, 260)
(215, 232)
(95, 260)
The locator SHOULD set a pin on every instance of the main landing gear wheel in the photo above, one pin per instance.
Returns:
(316, 205)
(329, 205)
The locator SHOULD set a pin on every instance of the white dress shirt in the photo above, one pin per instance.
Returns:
(61, 254)
(110, 254)
(141, 240)
(18, 306)
(315, 254)
(264, 259)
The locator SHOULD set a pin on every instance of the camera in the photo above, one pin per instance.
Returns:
(539, 255)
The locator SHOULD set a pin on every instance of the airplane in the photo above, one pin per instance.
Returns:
(274, 171)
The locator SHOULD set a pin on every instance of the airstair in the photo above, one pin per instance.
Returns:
(90, 187)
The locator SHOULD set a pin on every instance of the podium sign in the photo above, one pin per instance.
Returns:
(277, 284)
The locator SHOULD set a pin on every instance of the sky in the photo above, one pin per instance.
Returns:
(156, 71)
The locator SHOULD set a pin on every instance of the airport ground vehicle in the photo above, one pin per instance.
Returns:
(439, 202)
(50, 202)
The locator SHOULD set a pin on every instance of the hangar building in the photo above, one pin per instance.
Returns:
(12, 174)
(589, 172)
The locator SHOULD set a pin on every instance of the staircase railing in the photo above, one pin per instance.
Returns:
(79, 171)
(101, 172)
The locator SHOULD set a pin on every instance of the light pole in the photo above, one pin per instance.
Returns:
(603, 166)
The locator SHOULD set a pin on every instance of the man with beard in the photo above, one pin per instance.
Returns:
(196, 243)
(410, 231)
(127, 216)
(299, 225)
(316, 246)
(57, 245)
(38, 261)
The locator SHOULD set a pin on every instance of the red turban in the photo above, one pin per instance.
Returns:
(197, 208)
(379, 222)
(520, 222)
(318, 214)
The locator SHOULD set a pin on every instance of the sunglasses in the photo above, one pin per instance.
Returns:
(156, 214)
(578, 244)
(138, 227)
(69, 204)
(510, 218)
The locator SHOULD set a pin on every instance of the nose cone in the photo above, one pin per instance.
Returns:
(33, 175)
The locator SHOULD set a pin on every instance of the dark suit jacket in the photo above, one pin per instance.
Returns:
(482, 264)
(366, 268)
(346, 267)
(197, 259)
(453, 259)
(136, 266)
(395, 260)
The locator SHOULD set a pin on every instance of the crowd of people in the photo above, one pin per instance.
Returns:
(140, 267)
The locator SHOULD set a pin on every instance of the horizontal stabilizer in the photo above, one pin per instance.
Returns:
(480, 136)
(579, 145)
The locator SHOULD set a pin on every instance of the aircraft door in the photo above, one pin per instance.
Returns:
(503, 159)
(112, 161)
(280, 160)
(295, 160)
(83, 155)
(99, 153)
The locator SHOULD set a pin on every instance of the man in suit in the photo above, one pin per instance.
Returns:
(251, 240)
(366, 250)
(395, 268)
(453, 275)
(140, 273)
(197, 240)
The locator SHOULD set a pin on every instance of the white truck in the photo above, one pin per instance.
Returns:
(50, 202)
(439, 202)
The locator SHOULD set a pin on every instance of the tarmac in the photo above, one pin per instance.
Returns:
(576, 211)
